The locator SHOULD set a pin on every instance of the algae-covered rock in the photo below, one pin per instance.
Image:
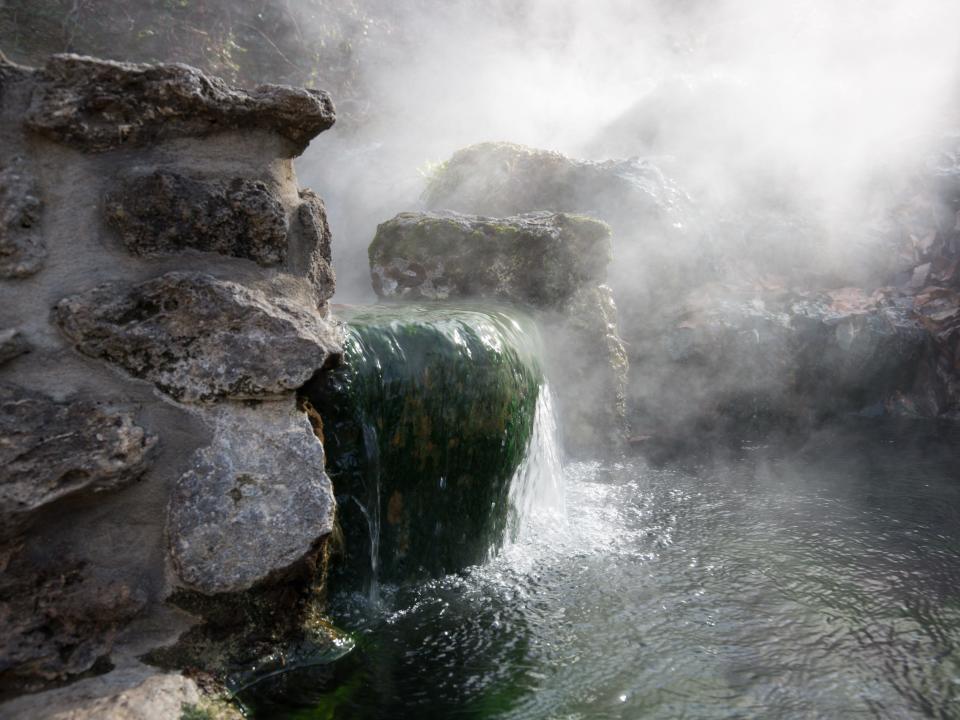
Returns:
(256, 502)
(539, 259)
(50, 449)
(98, 105)
(165, 212)
(198, 338)
(424, 426)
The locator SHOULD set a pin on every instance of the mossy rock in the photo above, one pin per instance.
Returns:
(424, 426)
(539, 259)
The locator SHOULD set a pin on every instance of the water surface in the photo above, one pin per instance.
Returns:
(819, 580)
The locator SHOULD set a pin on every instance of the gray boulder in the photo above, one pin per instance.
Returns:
(256, 502)
(97, 105)
(51, 449)
(198, 338)
(539, 259)
(166, 212)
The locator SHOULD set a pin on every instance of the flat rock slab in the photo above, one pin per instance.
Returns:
(166, 212)
(97, 105)
(198, 338)
(538, 259)
(22, 250)
(255, 502)
(51, 449)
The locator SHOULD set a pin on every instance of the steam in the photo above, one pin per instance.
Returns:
(821, 102)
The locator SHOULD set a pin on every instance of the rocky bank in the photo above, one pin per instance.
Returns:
(163, 295)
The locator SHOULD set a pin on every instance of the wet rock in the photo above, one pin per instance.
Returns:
(255, 503)
(198, 338)
(165, 212)
(12, 344)
(57, 623)
(98, 105)
(22, 250)
(312, 216)
(51, 449)
(539, 259)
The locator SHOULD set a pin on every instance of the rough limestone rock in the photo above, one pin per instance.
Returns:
(312, 215)
(57, 622)
(51, 449)
(22, 250)
(255, 502)
(135, 694)
(539, 259)
(198, 338)
(12, 344)
(166, 212)
(98, 105)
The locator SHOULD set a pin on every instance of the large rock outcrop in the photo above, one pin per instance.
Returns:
(163, 296)
(552, 263)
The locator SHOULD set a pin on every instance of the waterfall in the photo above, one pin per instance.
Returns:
(536, 490)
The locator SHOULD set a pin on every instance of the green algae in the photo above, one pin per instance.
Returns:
(424, 426)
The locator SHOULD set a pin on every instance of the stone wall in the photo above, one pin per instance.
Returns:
(163, 295)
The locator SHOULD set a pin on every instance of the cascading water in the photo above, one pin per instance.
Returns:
(440, 436)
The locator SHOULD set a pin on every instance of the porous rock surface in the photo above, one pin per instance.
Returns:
(198, 338)
(166, 212)
(151, 229)
(50, 449)
(254, 502)
(98, 105)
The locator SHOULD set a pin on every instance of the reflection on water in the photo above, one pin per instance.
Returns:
(822, 581)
